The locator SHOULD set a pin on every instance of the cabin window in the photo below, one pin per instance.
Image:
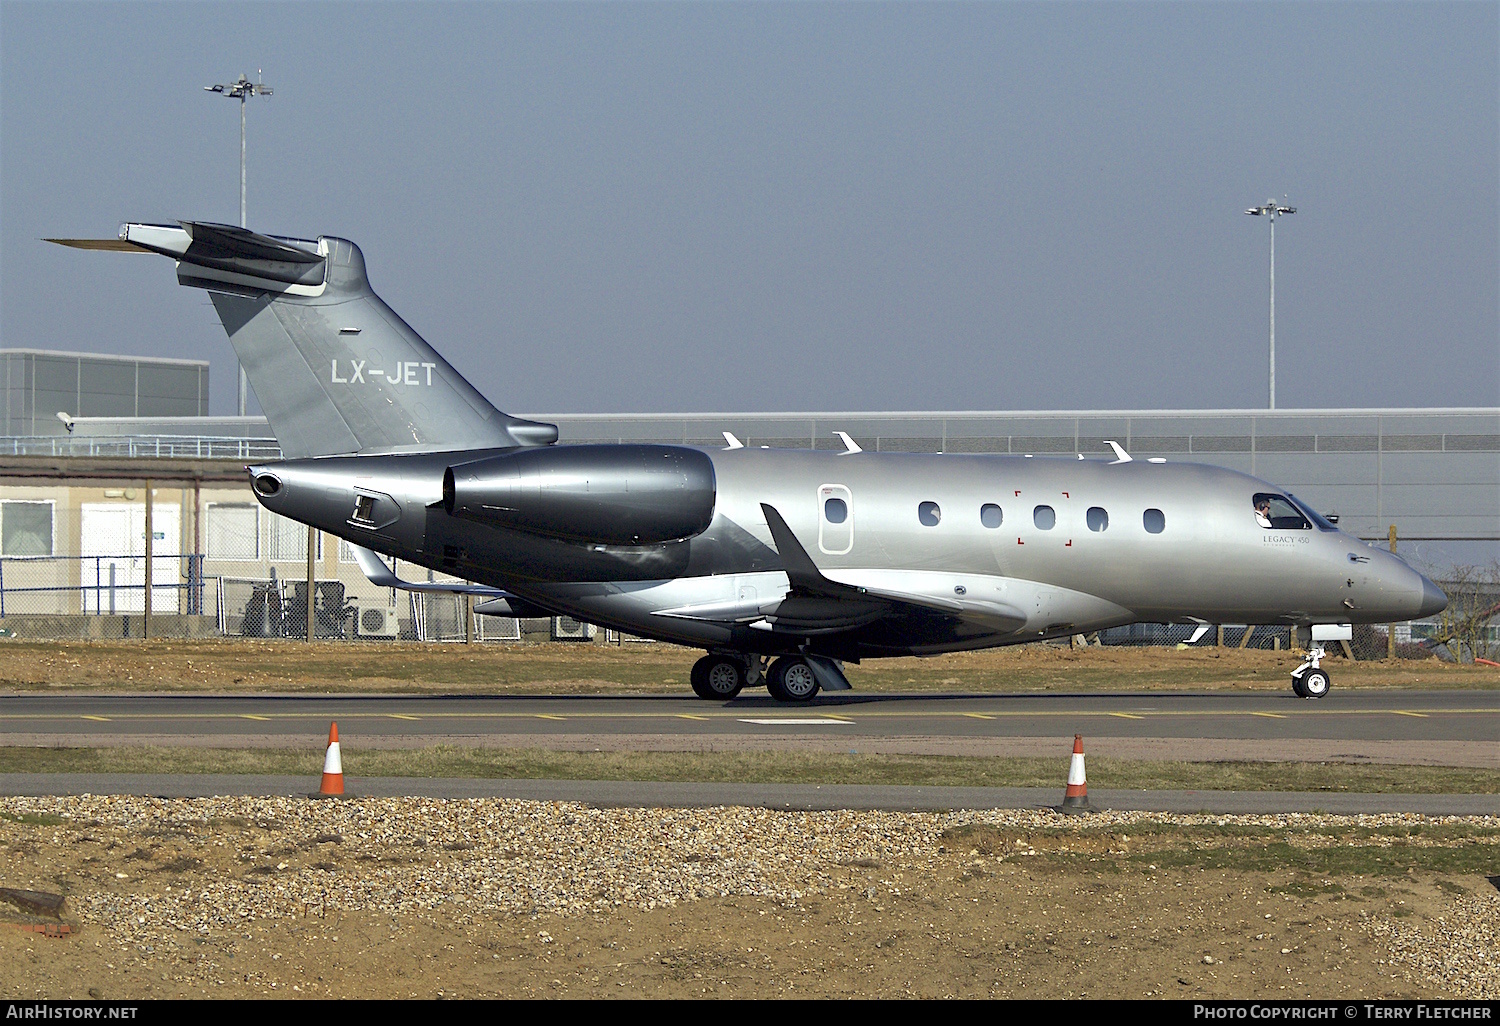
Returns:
(929, 514)
(1278, 513)
(1044, 517)
(836, 511)
(991, 515)
(1155, 521)
(1098, 518)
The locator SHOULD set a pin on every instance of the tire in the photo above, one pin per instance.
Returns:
(791, 680)
(1315, 684)
(1297, 688)
(717, 678)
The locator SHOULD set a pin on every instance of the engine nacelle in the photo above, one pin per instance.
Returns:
(600, 494)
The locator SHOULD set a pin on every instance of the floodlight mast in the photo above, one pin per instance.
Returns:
(242, 90)
(1272, 210)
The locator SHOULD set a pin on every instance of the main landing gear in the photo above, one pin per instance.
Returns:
(719, 677)
(1309, 680)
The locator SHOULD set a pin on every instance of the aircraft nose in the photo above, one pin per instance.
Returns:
(1433, 599)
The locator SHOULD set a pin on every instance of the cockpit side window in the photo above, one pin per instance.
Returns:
(1278, 513)
(1323, 523)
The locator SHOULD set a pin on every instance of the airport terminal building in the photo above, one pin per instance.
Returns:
(74, 491)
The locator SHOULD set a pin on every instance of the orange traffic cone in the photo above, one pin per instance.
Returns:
(333, 767)
(1076, 797)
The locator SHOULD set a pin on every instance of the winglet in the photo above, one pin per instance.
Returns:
(801, 571)
(849, 447)
(734, 443)
(1121, 456)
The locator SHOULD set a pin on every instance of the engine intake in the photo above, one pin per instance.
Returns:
(600, 494)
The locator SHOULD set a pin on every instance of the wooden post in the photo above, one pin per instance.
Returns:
(312, 555)
(146, 606)
(1245, 638)
(1390, 628)
(1220, 642)
(468, 619)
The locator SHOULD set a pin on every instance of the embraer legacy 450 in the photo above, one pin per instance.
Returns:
(782, 564)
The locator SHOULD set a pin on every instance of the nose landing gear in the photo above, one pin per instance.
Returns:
(1309, 680)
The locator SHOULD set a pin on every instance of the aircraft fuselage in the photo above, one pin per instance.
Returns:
(976, 550)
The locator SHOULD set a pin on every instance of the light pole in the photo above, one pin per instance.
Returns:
(241, 90)
(1272, 210)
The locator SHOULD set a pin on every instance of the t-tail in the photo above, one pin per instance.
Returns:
(334, 368)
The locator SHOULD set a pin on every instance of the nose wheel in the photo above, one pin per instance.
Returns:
(1309, 680)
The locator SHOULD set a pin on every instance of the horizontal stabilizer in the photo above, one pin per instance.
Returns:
(107, 245)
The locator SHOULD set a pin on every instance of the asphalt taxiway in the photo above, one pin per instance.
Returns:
(1458, 728)
(1412, 718)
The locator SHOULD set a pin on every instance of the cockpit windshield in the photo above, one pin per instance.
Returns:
(1278, 513)
(1313, 515)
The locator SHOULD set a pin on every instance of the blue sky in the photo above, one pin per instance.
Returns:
(658, 207)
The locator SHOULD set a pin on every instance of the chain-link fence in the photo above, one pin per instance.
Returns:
(103, 595)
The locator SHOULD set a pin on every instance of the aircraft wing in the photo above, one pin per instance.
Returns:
(496, 601)
(820, 604)
(382, 576)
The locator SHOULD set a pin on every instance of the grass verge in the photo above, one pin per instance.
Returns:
(1309, 855)
(762, 767)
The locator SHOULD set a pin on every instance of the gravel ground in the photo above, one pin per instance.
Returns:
(153, 877)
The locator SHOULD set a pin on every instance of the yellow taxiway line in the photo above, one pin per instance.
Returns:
(735, 714)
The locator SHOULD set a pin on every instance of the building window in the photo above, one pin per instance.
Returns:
(232, 531)
(1154, 520)
(1044, 517)
(929, 514)
(286, 540)
(991, 515)
(1098, 518)
(26, 528)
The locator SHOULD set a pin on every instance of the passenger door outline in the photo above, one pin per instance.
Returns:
(835, 539)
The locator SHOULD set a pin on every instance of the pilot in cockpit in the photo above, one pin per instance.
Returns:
(1263, 512)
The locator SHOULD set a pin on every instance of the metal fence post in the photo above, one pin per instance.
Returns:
(312, 555)
(1390, 628)
(150, 548)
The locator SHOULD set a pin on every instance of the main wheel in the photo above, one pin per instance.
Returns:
(717, 677)
(1315, 684)
(791, 680)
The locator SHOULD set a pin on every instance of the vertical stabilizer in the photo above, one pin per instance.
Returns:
(335, 369)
